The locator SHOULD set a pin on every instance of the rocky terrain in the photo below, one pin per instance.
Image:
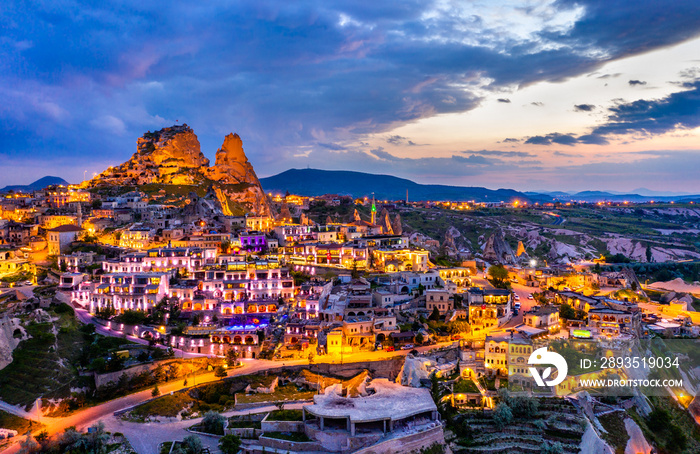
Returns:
(565, 234)
(173, 156)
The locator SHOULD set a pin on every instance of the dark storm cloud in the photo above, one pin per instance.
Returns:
(504, 100)
(634, 82)
(584, 107)
(285, 75)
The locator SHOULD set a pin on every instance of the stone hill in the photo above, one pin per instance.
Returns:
(172, 156)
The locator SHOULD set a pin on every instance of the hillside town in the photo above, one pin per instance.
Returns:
(384, 338)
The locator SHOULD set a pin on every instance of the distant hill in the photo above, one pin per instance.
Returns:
(312, 182)
(41, 183)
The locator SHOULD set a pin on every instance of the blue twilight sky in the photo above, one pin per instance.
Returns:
(531, 95)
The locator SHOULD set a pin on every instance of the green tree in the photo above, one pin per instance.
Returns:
(192, 444)
(498, 276)
(419, 338)
(220, 372)
(230, 444)
(156, 391)
(232, 357)
(502, 415)
(435, 315)
(213, 423)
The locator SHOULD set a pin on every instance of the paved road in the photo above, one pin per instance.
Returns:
(522, 291)
(145, 438)
(85, 318)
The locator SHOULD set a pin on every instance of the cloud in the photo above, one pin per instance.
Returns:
(657, 116)
(504, 100)
(567, 155)
(500, 153)
(584, 107)
(399, 140)
(510, 140)
(537, 103)
(289, 75)
(332, 146)
(549, 139)
(634, 82)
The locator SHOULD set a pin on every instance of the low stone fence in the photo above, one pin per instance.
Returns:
(286, 445)
(268, 425)
(251, 405)
(244, 432)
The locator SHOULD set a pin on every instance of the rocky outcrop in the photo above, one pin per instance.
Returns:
(172, 156)
(497, 250)
(232, 166)
(396, 225)
(385, 223)
(169, 156)
(11, 334)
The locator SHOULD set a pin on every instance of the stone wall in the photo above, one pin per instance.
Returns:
(113, 377)
(281, 426)
(292, 446)
(244, 432)
(409, 443)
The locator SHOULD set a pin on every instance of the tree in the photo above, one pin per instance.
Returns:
(419, 338)
(156, 391)
(192, 444)
(311, 358)
(502, 415)
(230, 444)
(435, 315)
(213, 423)
(499, 276)
(220, 372)
(29, 445)
(232, 357)
(567, 312)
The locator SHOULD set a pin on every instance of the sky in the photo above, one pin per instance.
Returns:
(537, 95)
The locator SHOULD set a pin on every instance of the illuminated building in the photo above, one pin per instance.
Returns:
(393, 260)
(60, 237)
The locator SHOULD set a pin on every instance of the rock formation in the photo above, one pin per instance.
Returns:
(232, 166)
(396, 225)
(497, 250)
(172, 156)
(385, 223)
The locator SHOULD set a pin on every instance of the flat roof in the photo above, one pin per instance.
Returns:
(390, 401)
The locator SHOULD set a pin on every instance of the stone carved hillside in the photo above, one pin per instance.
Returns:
(172, 156)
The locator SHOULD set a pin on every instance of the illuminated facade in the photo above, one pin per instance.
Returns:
(393, 260)
(127, 291)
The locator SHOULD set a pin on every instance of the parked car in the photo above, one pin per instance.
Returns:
(530, 297)
(516, 297)
(407, 347)
(27, 283)
(567, 289)
(379, 346)
(517, 306)
(389, 349)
